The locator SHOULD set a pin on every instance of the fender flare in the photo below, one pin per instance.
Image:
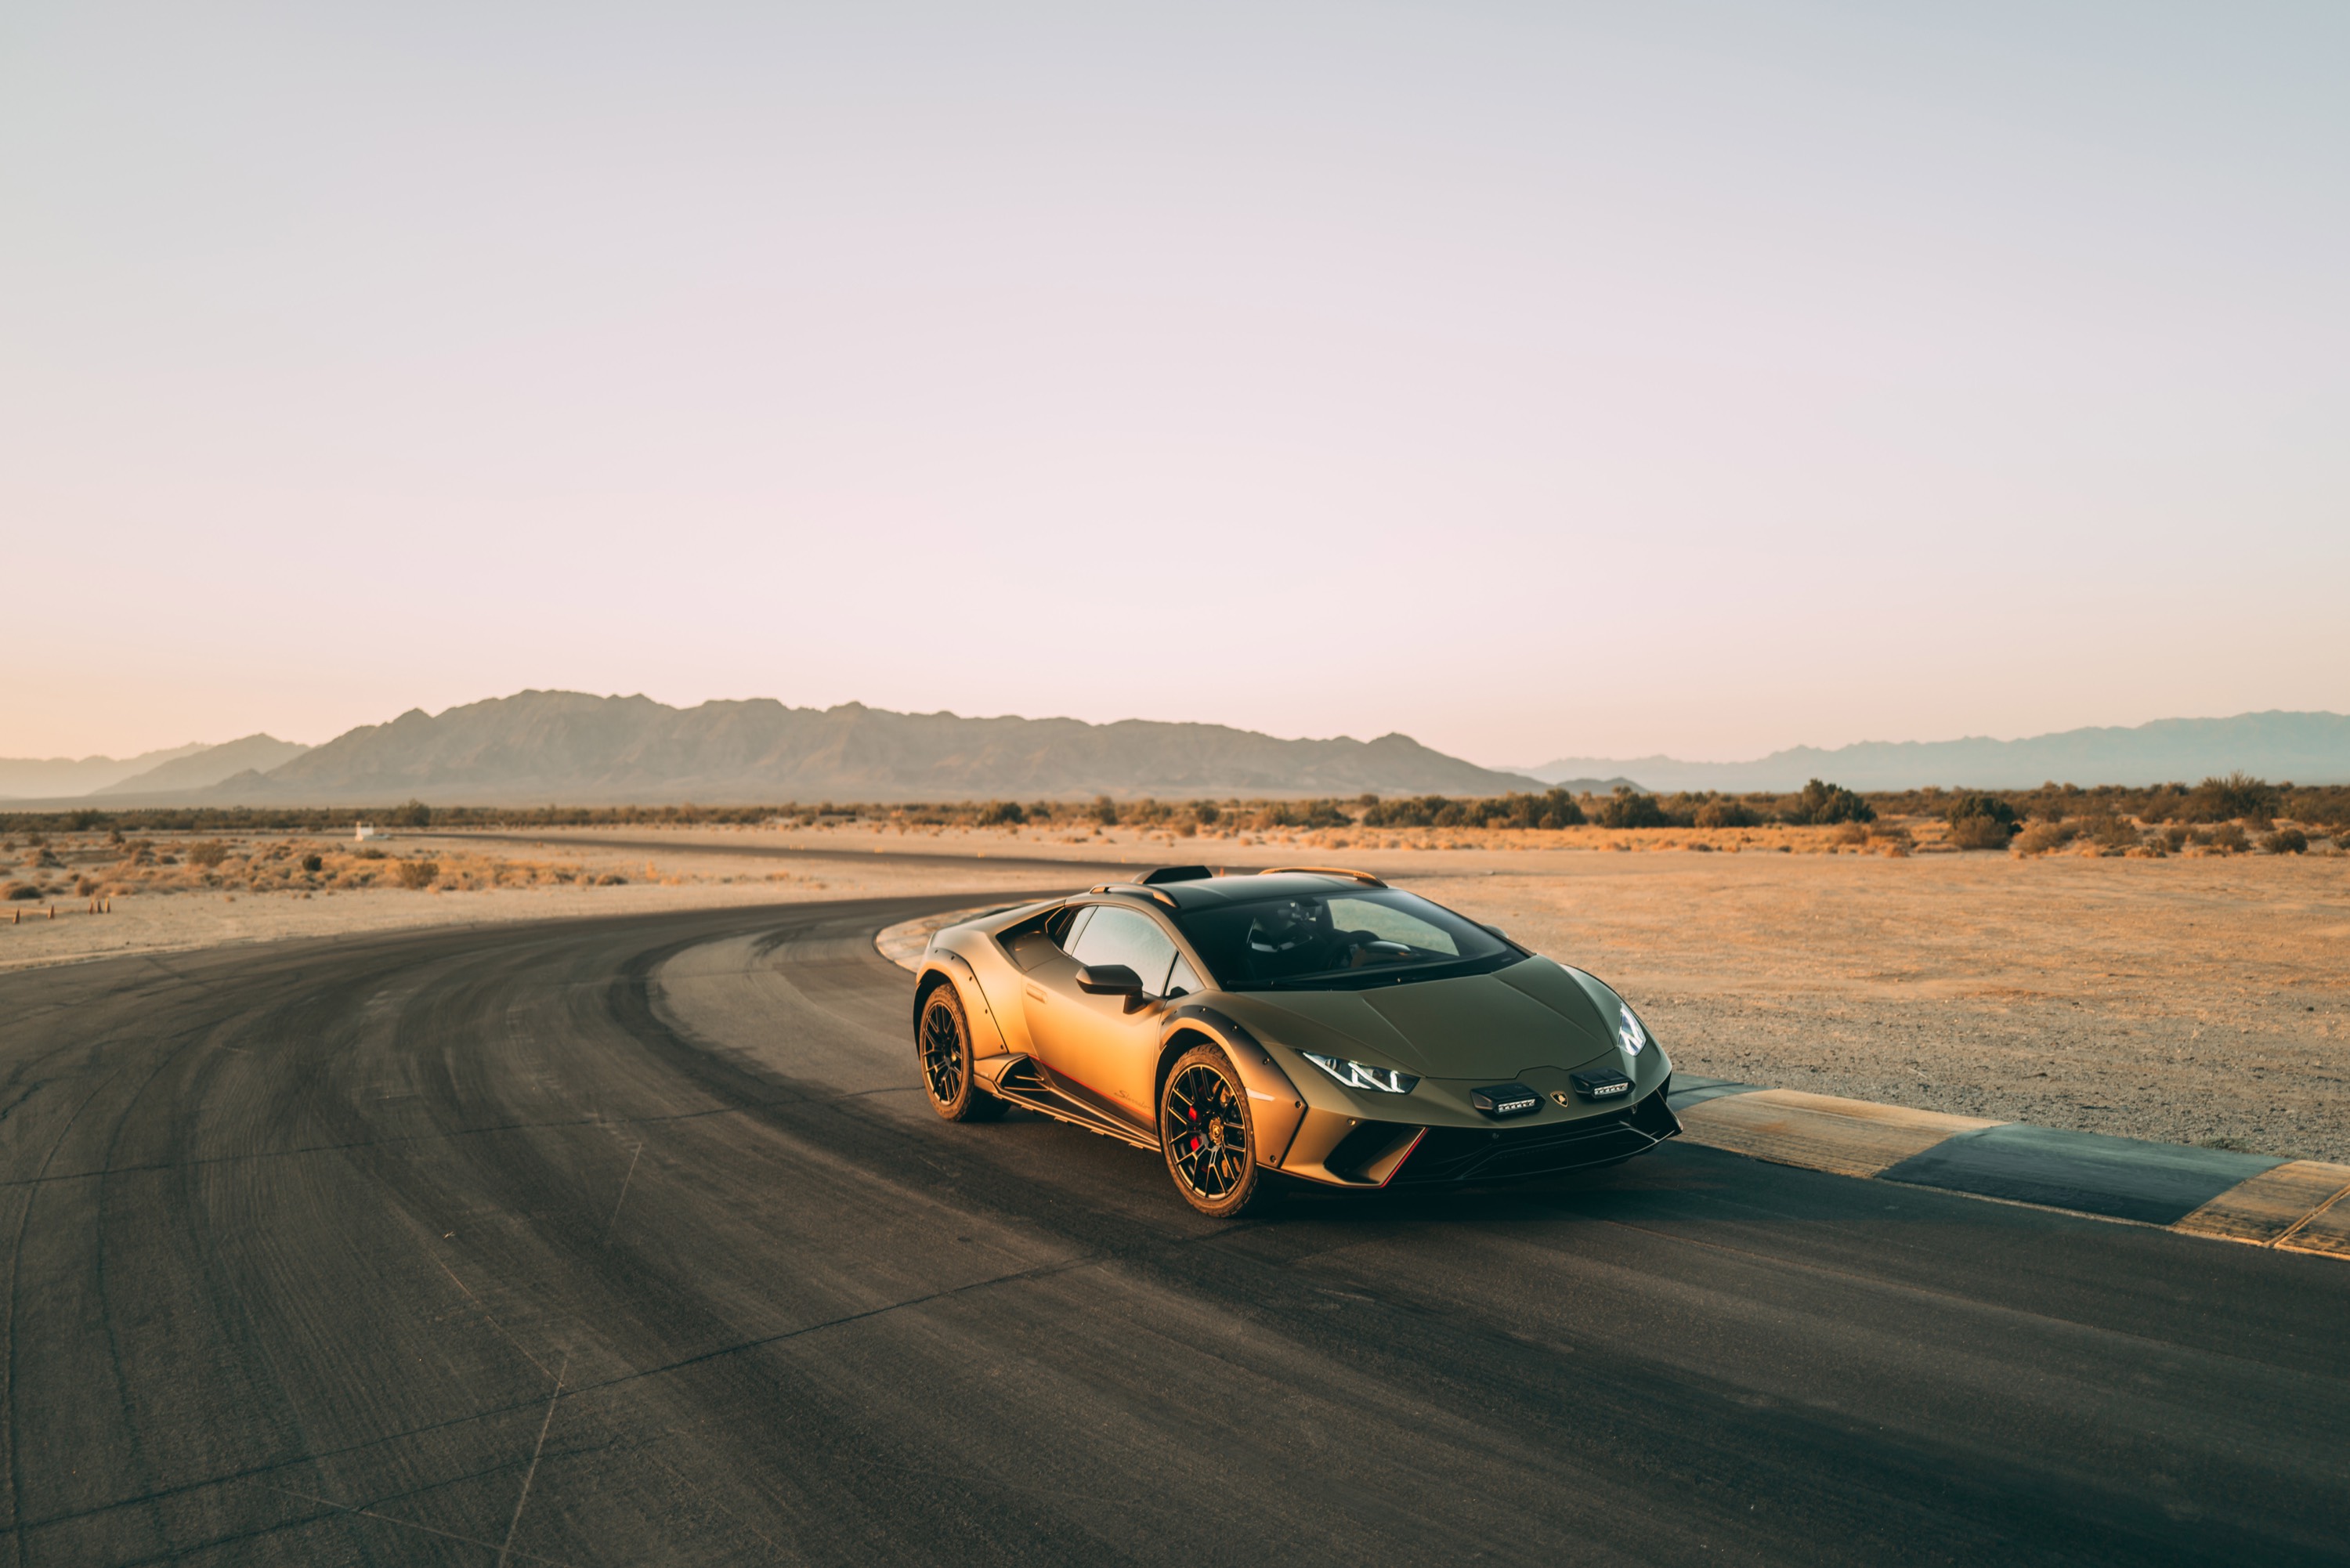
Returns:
(945, 965)
(1274, 1104)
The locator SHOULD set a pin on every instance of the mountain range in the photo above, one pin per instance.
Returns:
(208, 766)
(62, 777)
(2305, 748)
(574, 749)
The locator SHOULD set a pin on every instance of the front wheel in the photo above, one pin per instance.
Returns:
(943, 1042)
(1206, 1134)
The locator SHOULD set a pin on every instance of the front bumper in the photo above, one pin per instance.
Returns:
(1392, 1154)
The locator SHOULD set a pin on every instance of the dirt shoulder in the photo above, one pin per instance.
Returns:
(2190, 1001)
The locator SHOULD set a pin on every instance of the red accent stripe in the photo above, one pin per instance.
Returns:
(1406, 1159)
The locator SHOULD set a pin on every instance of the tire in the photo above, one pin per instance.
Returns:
(1207, 1133)
(943, 1053)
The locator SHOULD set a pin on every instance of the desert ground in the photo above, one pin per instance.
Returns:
(2194, 998)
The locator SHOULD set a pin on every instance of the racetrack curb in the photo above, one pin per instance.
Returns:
(2262, 1200)
(904, 943)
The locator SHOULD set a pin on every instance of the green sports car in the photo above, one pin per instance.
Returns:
(1312, 1021)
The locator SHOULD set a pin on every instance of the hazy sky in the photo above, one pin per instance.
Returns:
(1533, 379)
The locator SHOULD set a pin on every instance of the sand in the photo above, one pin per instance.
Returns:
(2192, 998)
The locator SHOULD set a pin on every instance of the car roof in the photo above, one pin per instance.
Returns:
(1210, 892)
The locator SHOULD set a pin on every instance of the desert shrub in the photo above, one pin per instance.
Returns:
(1979, 833)
(1002, 814)
(1551, 808)
(2238, 797)
(1412, 811)
(1559, 809)
(1206, 813)
(2324, 805)
(2111, 833)
(415, 813)
(1309, 814)
(418, 873)
(1989, 805)
(19, 890)
(1852, 833)
(1822, 804)
(1982, 822)
(2174, 838)
(1889, 833)
(1727, 814)
(611, 879)
(2229, 839)
(207, 853)
(1627, 807)
(314, 862)
(1105, 811)
(2286, 841)
(2037, 839)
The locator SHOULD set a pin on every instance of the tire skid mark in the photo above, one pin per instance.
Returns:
(15, 1294)
(256, 1474)
(505, 1552)
(506, 1548)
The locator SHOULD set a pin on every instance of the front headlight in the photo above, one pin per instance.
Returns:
(1362, 1075)
(1631, 1036)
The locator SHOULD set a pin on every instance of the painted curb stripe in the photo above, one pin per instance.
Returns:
(2091, 1173)
(1821, 1132)
(2325, 1232)
(2272, 1206)
(2294, 1206)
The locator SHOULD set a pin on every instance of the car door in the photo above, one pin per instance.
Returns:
(1105, 1049)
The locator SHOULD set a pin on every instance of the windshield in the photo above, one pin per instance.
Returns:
(1339, 940)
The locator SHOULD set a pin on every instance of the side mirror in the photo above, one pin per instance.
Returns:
(1109, 979)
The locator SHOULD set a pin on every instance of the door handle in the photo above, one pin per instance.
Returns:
(1035, 993)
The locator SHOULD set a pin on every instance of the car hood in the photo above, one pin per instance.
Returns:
(1535, 1013)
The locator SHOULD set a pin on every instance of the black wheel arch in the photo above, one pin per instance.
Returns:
(928, 982)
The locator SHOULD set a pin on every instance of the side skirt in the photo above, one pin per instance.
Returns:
(1018, 1083)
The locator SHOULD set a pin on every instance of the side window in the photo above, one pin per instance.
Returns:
(1069, 937)
(1129, 937)
(1183, 980)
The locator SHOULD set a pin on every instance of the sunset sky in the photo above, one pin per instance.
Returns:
(1531, 379)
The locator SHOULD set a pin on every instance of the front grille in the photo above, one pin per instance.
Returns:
(1476, 1154)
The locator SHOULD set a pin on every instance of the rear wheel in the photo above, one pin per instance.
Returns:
(1206, 1134)
(942, 1045)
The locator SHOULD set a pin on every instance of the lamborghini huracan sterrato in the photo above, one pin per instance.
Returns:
(1311, 1022)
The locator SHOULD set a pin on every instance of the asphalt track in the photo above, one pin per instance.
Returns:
(630, 1241)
